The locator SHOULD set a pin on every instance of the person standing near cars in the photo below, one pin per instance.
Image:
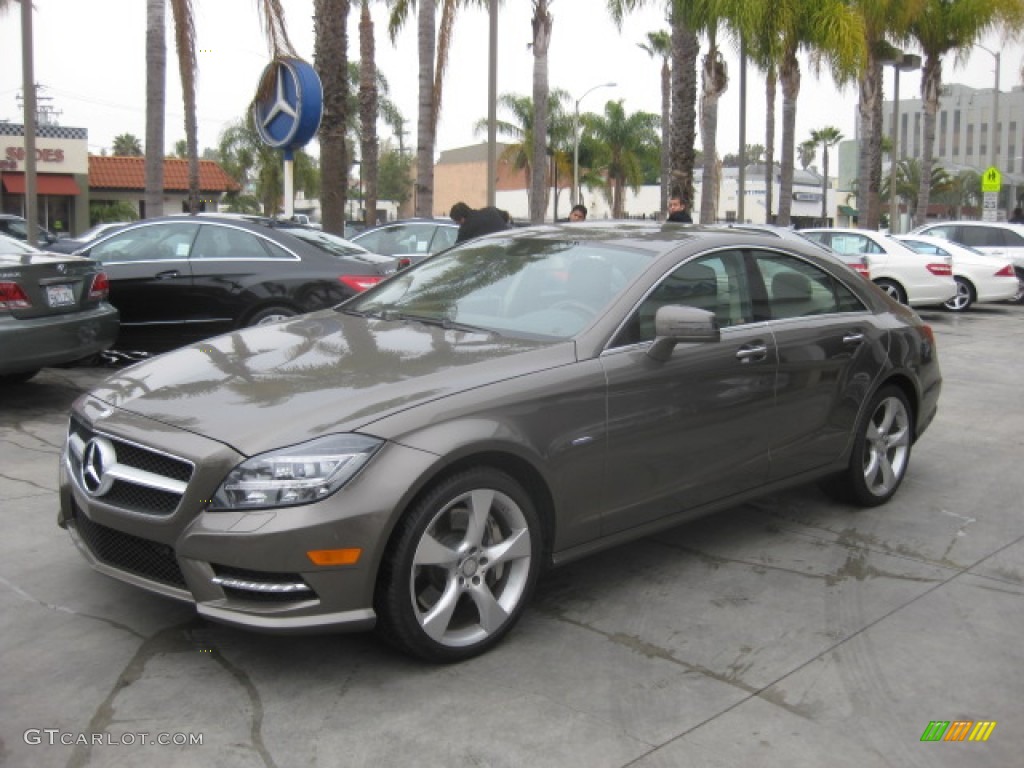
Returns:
(475, 222)
(578, 213)
(1018, 216)
(677, 211)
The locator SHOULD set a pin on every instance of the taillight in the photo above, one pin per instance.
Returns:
(1006, 271)
(13, 297)
(940, 270)
(862, 269)
(928, 333)
(100, 287)
(404, 263)
(360, 282)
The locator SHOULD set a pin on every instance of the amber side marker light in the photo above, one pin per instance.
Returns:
(348, 556)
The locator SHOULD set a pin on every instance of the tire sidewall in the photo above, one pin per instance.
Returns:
(856, 487)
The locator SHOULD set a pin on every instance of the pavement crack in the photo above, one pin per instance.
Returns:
(64, 609)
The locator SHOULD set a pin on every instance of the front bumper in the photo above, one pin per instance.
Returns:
(248, 569)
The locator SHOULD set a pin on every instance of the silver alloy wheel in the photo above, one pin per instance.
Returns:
(891, 290)
(274, 318)
(962, 299)
(471, 568)
(887, 446)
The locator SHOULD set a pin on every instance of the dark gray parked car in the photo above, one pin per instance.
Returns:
(417, 456)
(53, 310)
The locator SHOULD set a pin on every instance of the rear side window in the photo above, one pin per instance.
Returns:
(796, 288)
(216, 242)
(986, 237)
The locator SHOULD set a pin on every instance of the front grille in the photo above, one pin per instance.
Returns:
(262, 586)
(146, 481)
(148, 559)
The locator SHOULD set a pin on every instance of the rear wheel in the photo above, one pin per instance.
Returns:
(271, 315)
(1019, 298)
(964, 297)
(893, 289)
(460, 567)
(881, 452)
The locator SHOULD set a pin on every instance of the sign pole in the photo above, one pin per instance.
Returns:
(289, 183)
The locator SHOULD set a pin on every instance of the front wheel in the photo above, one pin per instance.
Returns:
(271, 315)
(964, 297)
(460, 567)
(881, 452)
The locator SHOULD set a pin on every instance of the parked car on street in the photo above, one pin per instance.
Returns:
(53, 310)
(17, 227)
(979, 277)
(178, 279)
(409, 240)
(996, 238)
(416, 456)
(908, 277)
(72, 244)
(855, 261)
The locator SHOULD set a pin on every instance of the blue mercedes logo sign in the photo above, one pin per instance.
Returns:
(289, 104)
(98, 457)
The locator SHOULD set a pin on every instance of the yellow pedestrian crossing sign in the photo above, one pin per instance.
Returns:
(991, 180)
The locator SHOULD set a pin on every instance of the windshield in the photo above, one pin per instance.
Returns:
(537, 288)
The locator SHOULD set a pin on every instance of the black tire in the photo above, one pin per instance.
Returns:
(881, 452)
(270, 315)
(17, 378)
(441, 574)
(965, 296)
(893, 289)
(1019, 298)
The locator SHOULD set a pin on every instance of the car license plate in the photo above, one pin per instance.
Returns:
(60, 295)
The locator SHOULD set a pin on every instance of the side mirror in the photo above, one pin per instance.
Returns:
(676, 324)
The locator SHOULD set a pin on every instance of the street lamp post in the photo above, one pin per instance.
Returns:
(576, 142)
(995, 111)
(904, 63)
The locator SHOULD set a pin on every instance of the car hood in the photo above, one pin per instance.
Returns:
(322, 373)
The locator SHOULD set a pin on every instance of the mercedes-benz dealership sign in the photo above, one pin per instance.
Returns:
(289, 104)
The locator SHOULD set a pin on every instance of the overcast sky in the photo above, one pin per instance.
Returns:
(90, 62)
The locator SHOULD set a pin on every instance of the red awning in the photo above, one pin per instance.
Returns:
(46, 183)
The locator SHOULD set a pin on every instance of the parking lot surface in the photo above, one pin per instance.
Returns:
(794, 631)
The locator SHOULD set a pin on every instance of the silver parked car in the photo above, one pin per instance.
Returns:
(414, 458)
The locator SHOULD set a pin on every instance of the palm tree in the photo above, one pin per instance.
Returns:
(882, 19)
(827, 137)
(659, 44)
(331, 54)
(685, 48)
(714, 79)
(368, 111)
(127, 145)
(185, 44)
(156, 97)
(941, 184)
(940, 28)
(623, 139)
(542, 23)
(805, 152)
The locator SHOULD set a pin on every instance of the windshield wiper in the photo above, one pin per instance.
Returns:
(444, 322)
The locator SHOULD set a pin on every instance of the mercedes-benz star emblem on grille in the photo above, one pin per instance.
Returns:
(99, 456)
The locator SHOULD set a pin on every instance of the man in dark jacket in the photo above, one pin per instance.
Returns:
(475, 222)
(677, 210)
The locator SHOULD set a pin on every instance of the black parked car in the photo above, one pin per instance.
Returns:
(180, 279)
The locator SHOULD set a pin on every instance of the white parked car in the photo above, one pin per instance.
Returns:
(908, 277)
(996, 238)
(979, 277)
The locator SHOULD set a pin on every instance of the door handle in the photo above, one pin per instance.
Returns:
(168, 274)
(751, 353)
(854, 337)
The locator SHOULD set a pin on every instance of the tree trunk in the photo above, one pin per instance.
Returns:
(369, 149)
(716, 80)
(931, 84)
(425, 134)
(770, 89)
(685, 48)
(156, 90)
(330, 53)
(666, 133)
(538, 179)
(790, 76)
(184, 37)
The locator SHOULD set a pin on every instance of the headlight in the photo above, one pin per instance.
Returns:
(300, 474)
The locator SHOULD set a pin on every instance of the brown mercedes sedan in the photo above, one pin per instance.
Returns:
(415, 457)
